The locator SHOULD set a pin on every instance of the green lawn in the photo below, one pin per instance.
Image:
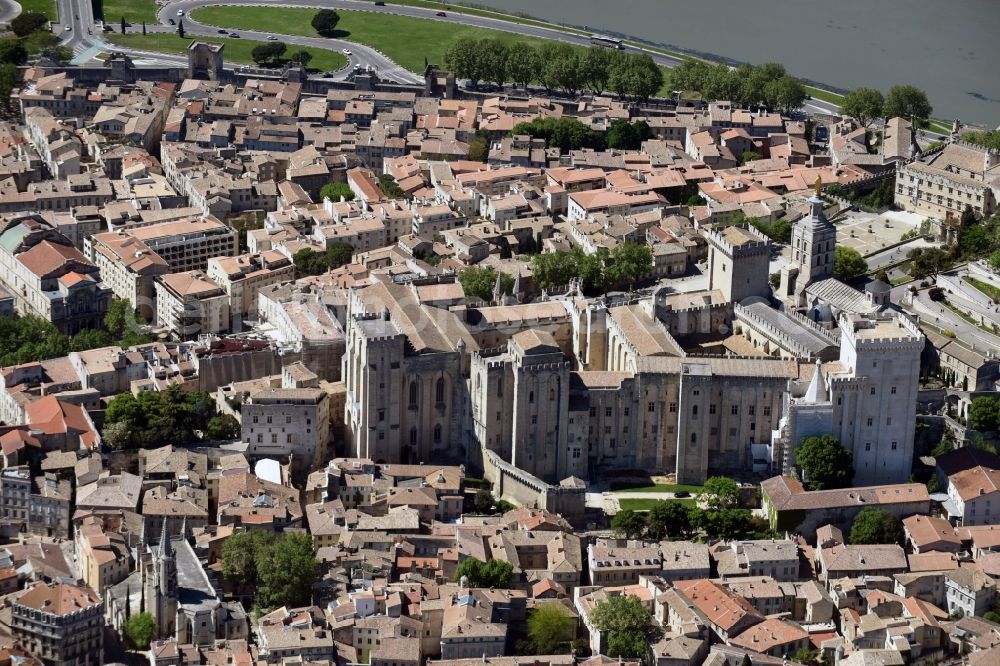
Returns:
(991, 291)
(237, 50)
(625, 486)
(405, 40)
(47, 7)
(134, 11)
(824, 95)
(641, 504)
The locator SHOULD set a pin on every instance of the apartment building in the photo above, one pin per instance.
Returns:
(50, 278)
(103, 555)
(61, 623)
(188, 304)
(128, 267)
(243, 276)
(188, 244)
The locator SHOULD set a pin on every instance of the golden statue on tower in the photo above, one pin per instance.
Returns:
(819, 186)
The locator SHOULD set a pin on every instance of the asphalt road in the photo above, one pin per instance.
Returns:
(83, 36)
(361, 55)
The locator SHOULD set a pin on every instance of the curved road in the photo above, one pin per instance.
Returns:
(84, 38)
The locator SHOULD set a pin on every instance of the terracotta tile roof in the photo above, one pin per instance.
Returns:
(722, 607)
(925, 530)
(972, 483)
(59, 599)
(770, 633)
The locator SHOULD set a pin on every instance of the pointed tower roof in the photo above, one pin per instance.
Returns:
(817, 387)
(166, 548)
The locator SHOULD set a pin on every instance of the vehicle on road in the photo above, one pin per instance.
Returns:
(604, 40)
(180, 12)
(272, 38)
(68, 28)
(327, 75)
(223, 31)
(347, 52)
(379, 3)
(171, 22)
(234, 35)
(440, 14)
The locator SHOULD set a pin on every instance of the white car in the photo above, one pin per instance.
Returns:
(347, 52)
(180, 12)
(68, 28)
(272, 38)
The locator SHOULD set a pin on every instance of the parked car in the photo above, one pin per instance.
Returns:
(440, 14)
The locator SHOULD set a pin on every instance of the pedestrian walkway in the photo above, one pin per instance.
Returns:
(88, 54)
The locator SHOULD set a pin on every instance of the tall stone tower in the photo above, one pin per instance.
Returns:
(166, 585)
(738, 260)
(813, 241)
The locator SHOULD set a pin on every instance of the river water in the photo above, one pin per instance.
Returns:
(950, 48)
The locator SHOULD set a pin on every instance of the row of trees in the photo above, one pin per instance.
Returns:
(492, 574)
(747, 85)
(276, 570)
(625, 264)
(569, 134)
(865, 105)
(310, 262)
(31, 37)
(156, 418)
(715, 512)
(29, 338)
(273, 54)
(556, 66)
(480, 283)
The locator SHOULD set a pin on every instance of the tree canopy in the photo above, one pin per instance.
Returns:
(747, 85)
(668, 519)
(564, 133)
(626, 621)
(629, 524)
(551, 628)
(623, 135)
(984, 414)
(269, 54)
(480, 283)
(325, 22)
(28, 22)
(719, 493)
(848, 263)
(626, 264)
(156, 418)
(864, 105)
(906, 101)
(875, 526)
(387, 183)
(309, 262)
(492, 574)
(281, 570)
(334, 192)
(139, 631)
(825, 462)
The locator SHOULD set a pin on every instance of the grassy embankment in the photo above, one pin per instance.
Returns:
(237, 50)
(405, 40)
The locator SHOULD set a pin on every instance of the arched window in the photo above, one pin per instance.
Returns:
(694, 439)
(694, 410)
(552, 394)
(439, 390)
(437, 434)
(531, 397)
(413, 394)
